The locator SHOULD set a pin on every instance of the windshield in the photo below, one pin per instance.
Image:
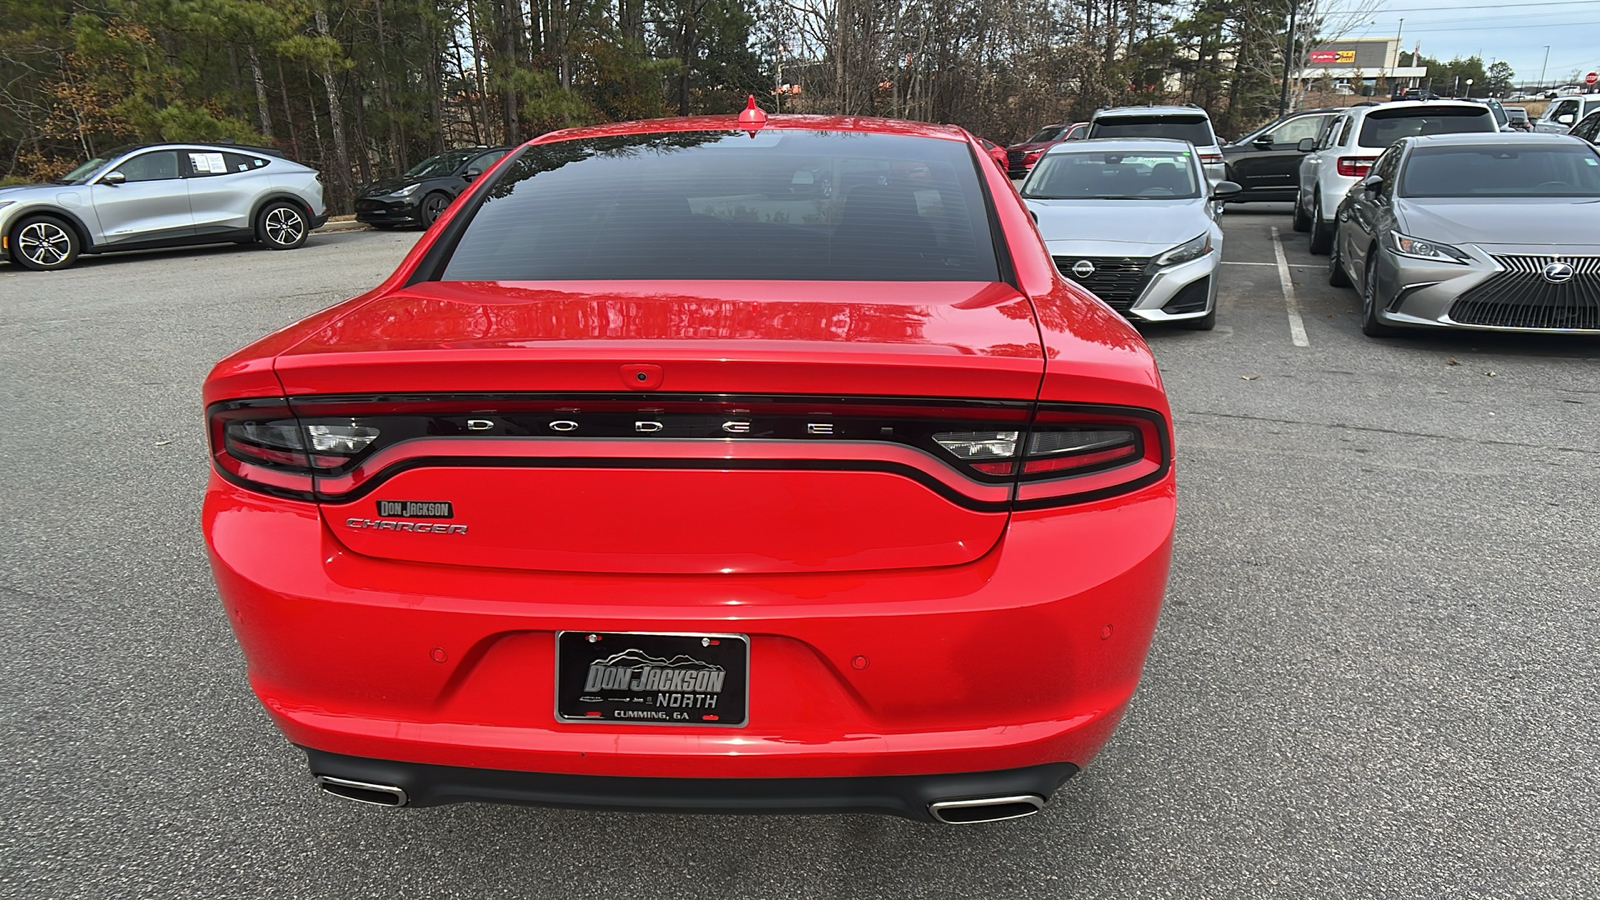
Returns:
(1194, 129)
(1128, 175)
(1384, 127)
(443, 164)
(1045, 136)
(784, 204)
(1513, 170)
(83, 172)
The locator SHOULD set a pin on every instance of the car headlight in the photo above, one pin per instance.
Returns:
(1417, 248)
(406, 191)
(1186, 251)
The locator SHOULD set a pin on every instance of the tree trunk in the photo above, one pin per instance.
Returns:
(363, 162)
(288, 114)
(510, 25)
(335, 115)
(261, 92)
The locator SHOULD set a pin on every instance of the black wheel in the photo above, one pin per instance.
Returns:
(1302, 222)
(432, 207)
(1321, 234)
(1370, 302)
(1204, 323)
(1337, 276)
(281, 225)
(44, 244)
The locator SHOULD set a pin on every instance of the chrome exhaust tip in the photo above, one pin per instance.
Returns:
(362, 792)
(986, 809)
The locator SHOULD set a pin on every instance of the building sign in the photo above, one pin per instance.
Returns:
(1337, 57)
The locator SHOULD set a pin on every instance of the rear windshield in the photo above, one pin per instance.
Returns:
(785, 204)
(1385, 126)
(1502, 171)
(1129, 175)
(1194, 129)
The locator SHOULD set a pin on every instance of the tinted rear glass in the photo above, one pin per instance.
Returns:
(1125, 175)
(1385, 126)
(787, 205)
(1194, 129)
(1513, 170)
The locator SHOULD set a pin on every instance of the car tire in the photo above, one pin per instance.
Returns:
(431, 208)
(1337, 276)
(1370, 326)
(1321, 235)
(1302, 222)
(44, 244)
(282, 225)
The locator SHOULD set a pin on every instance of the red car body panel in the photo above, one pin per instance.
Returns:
(345, 650)
(894, 629)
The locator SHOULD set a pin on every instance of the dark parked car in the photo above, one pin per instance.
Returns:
(423, 192)
(1266, 162)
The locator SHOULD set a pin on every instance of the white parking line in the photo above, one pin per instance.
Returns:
(1297, 327)
(1240, 262)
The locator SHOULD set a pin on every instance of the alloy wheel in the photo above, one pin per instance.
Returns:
(284, 226)
(46, 244)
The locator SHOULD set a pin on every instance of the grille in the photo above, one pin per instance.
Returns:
(370, 206)
(1520, 297)
(1014, 163)
(1118, 280)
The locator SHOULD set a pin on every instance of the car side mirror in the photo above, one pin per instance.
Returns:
(1264, 141)
(1222, 190)
(1306, 145)
(1566, 119)
(113, 178)
(1373, 184)
(471, 174)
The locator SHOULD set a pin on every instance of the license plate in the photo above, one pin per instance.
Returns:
(624, 678)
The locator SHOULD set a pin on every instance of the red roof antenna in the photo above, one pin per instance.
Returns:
(753, 116)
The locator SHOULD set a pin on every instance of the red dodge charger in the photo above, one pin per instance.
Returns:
(721, 464)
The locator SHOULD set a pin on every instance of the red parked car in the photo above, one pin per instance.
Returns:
(702, 464)
(1021, 157)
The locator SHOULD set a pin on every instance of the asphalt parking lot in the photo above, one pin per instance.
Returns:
(1377, 674)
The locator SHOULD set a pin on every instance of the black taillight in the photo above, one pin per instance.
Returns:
(1069, 454)
(263, 445)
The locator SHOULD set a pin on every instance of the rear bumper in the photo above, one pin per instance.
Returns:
(1026, 657)
(907, 796)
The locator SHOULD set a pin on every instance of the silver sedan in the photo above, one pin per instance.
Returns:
(1133, 220)
(1494, 232)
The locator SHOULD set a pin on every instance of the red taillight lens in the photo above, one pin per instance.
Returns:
(1355, 166)
(1210, 159)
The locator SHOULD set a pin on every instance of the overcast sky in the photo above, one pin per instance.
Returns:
(1516, 31)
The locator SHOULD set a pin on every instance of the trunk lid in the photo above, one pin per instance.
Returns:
(673, 428)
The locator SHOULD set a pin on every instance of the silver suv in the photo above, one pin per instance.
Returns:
(161, 195)
(1344, 152)
(1183, 123)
